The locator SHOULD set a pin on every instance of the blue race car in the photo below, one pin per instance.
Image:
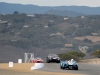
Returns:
(71, 64)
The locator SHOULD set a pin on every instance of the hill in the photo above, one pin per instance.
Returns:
(64, 13)
(42, 34)
(9, 8)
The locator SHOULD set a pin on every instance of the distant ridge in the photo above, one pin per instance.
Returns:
(64, 13)
(9, 8)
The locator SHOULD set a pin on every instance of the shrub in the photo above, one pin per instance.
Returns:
(71, 55)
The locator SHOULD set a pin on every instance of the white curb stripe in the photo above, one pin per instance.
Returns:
(37, 66)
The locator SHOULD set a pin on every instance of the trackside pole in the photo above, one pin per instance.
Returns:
(28, 57)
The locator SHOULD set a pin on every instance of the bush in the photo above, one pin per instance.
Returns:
(71, 55)
(68, 57)
(87, 40)
(96, 53)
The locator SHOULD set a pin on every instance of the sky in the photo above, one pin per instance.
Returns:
(90, 3)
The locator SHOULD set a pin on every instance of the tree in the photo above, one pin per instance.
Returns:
(96, 53)
(87, 40)
(68, 57)
(75, 53)
(71, 55)
(80, 54)
(16, 12)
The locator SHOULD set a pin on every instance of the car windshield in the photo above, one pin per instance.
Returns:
(55, 55)
(73, 61)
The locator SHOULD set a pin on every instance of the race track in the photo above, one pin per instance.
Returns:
(84, 68)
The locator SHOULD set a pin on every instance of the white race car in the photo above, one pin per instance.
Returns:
(53, 58)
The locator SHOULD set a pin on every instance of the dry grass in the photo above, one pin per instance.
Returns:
(25, 67)
(92, 61)
(92, 38)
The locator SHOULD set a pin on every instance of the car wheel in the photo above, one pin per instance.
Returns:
(60, 67)
(58, 61)
(63, 67)
(48, 61)
(76, 68)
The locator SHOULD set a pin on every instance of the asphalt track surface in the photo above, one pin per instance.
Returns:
(84, 68)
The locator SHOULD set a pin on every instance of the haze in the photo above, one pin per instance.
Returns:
(90, 3)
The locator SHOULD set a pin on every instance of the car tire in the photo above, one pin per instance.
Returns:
(48, 61)
(60, 67)
(63, 68)
(76, 68)
(58, 61)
